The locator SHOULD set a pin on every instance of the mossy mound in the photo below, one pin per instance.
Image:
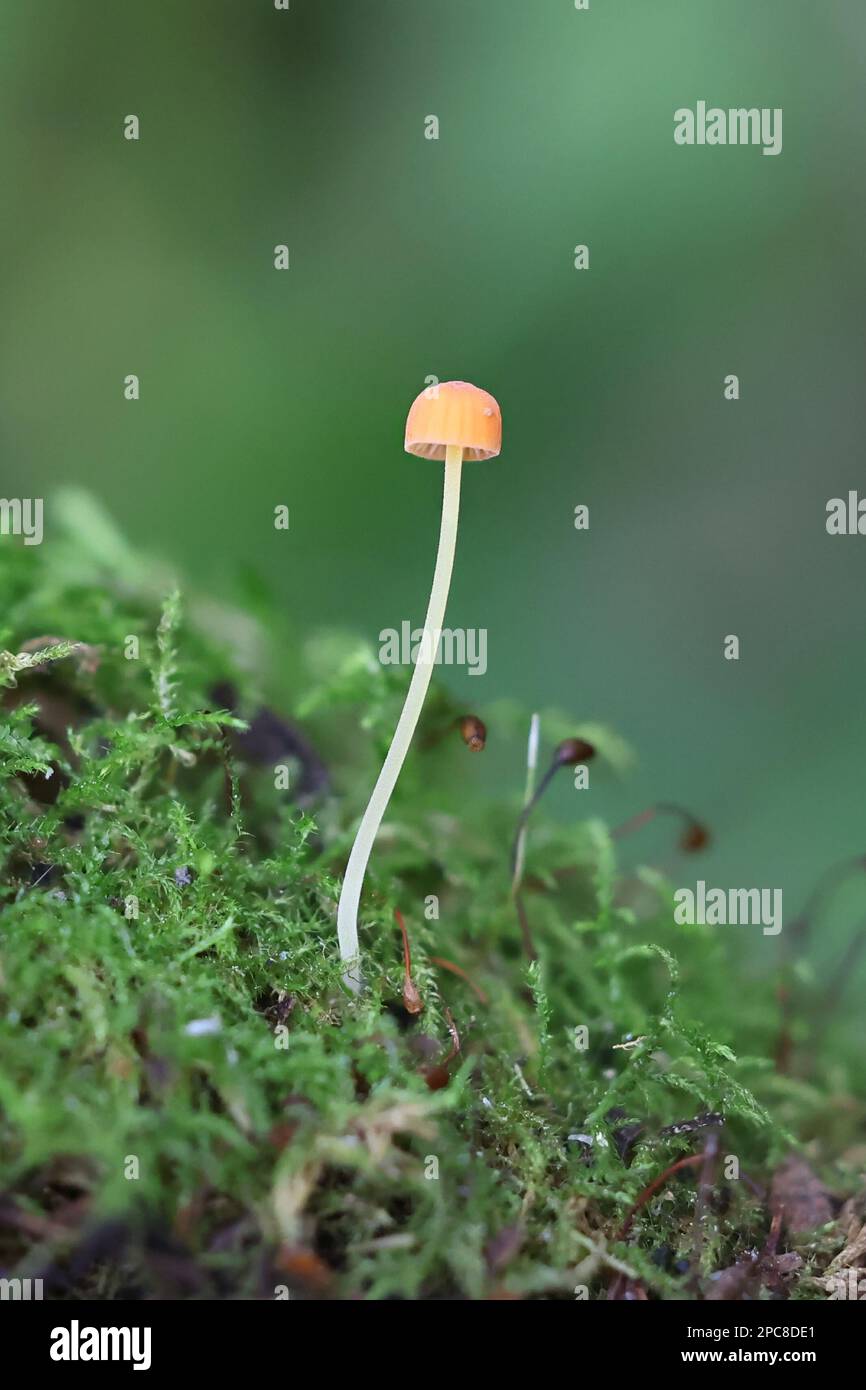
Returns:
(191, 1105)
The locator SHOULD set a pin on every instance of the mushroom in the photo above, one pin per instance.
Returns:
(452, 421)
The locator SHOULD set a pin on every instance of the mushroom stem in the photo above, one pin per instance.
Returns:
(350, 895)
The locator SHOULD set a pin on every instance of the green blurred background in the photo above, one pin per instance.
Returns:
(454, 258)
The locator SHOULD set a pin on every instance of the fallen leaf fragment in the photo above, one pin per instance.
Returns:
(801, 1196)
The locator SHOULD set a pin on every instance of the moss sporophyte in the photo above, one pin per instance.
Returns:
(452, 422)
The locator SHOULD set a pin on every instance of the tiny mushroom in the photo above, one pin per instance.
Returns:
(452, 422)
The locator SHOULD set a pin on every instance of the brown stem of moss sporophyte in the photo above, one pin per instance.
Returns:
(412, 1002)
(567, 754)
(694, 835)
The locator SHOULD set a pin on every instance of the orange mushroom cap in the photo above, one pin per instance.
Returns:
(454, 412)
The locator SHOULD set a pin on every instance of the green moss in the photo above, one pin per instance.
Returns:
(182, 1070)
